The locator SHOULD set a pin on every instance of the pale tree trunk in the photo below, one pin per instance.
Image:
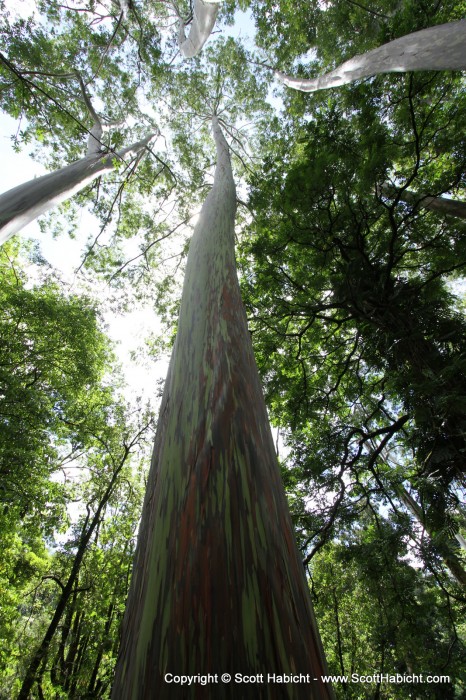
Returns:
(218, 585)
(204, 16)
(442, 205)
(21, 205)
(124, 7)
(452, 562)
(442, 47)
(96, 132)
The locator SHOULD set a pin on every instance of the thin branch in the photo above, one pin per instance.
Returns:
(52, 577)
(106, 50)
(145, 251)
(367, 9)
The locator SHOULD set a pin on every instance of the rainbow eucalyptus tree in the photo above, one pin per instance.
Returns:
(24, 203)
(218, 585)
(436, 48)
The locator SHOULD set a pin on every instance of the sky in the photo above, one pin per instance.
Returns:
(64, 254)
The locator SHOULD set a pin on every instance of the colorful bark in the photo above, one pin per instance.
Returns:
(218, 585)
(442, 47)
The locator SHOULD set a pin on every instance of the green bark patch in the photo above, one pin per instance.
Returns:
(218, 586)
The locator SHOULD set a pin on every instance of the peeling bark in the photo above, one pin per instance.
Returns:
(218, 585)
(204, 16)
(442, 205)
(21, 205)
(442, 47)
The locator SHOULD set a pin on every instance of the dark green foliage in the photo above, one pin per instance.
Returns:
(362, 306)
(67, 445)
(361, 346)
(359, 339)
(382, 615)
(53, 356)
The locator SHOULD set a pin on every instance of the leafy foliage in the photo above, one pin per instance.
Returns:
(358, 337)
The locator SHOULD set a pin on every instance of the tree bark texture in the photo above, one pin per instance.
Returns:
(204, 16)
(218, 585)
(442, 47)
(24, 203)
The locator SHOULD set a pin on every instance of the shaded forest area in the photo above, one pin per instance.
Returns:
(349, 236)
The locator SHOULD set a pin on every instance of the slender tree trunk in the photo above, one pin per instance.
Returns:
(450, 559)
(204, 16)
(81, 655)
(218, 585)
(89, 527)
(59, 668)
(21, 205)
(73, 650)
(442, 47)
(100, 651)
(451, 207)
(42, 651)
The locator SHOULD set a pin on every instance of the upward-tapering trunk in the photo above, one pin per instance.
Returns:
(21, 205)
(203, 21)
(218, 586)
(442, 47)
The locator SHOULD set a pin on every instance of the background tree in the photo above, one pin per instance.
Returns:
(109, 464)
(40, 68)
(348, 285)
(66, 440)
(364, 402)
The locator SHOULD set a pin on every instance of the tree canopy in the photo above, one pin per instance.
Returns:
(350, 251)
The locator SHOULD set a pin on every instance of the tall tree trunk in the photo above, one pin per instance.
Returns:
(85, 641)
(442, 47)
(218, 585)
(100, 650)
(42, 651)
(452, 562)
(89, 527)
(59, 668)
(451, 207)
(204, 16)
(21, 205)
(74, 649)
